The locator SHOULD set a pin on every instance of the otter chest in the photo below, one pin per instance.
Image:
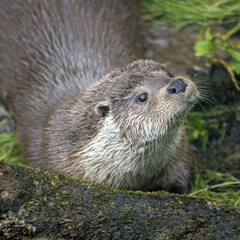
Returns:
(112, 160)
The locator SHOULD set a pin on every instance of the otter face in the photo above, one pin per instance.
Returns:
(139, 140)
(148, 101)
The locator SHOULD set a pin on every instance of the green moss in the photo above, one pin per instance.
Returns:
(102, 197)
(55, 201)
(126, 215)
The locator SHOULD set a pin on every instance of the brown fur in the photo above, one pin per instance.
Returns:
(53, 50)
(53, 55)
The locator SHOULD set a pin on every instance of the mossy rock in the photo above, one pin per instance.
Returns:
(37, 204)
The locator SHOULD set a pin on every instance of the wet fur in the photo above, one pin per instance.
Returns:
(53, 55)
(130, 146)
(53, 50)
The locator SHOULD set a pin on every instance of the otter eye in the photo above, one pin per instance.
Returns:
(143, 97)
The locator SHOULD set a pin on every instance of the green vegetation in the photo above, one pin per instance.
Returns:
(197, 130)
(202, 124)
(201, 14)
(9, 150)
(198, 13)
(222, 187)
(212, 45)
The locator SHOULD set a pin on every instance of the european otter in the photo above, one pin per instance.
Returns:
(125, 130)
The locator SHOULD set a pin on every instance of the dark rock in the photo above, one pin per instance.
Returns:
(220, 80)
(37, 204)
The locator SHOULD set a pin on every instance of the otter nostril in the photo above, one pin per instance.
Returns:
(177, 86)
(172, 90)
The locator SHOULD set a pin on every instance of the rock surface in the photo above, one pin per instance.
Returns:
(37, 204)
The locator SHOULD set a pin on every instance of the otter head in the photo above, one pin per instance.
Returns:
(145, 101)
(126, 130)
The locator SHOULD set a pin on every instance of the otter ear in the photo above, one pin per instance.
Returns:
(102, 108)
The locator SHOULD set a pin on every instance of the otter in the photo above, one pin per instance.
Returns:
(82, 102)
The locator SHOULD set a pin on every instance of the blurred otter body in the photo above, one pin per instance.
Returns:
(125, 130)
(53, 50)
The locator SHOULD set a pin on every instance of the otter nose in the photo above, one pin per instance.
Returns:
(177, 86)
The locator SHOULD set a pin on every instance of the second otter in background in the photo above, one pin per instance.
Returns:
(123, 128)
